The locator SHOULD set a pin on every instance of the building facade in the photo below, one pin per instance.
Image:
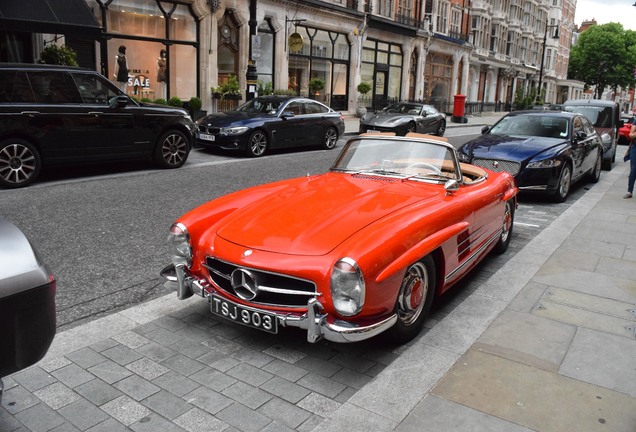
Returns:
(492, 51)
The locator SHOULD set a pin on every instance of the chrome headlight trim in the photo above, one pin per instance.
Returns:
(238, 130)
(347, 287)
(179, 245)
(545, 163)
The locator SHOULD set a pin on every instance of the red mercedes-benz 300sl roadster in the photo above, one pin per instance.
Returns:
(349, 254)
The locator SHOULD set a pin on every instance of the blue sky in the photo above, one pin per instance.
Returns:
(605, 11)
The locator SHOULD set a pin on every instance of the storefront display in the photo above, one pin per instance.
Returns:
(159, 42)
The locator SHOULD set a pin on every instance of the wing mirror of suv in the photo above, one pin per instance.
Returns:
(580, 135)
(287, 114)
(119, 101)
(485, 129)
(606, 139)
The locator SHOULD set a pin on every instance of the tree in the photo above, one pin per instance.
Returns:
(605, 55)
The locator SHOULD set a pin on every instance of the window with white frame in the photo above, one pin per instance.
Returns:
(442, 17)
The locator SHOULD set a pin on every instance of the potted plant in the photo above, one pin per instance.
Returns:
(216, 93)
(175, 102)
(195, 108)
(363, 89)
(230, 89)
(315, 85)
(53, 54)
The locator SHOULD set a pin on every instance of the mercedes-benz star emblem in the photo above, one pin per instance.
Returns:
(495, 164)
(244, 284)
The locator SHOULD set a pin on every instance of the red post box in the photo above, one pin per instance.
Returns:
(459, 109)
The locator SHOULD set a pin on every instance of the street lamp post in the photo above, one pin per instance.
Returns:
(545, 39)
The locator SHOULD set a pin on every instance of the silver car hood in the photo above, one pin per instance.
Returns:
(20, 266)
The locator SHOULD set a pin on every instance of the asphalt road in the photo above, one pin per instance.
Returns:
(102, 229)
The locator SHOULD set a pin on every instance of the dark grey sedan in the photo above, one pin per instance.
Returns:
(405, 117)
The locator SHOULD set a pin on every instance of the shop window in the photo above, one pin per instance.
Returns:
(182, 24)
(143, 17)
(265, 64)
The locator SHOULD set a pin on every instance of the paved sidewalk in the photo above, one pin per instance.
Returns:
(547, 343)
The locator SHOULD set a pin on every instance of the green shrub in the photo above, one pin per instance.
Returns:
(161, 101)
(194, 104)
(146, 100)
(175, 102)
(265, 89)
(364, 88)
(58, 55)
(316, 84)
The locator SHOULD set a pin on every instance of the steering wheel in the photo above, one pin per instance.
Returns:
(427, 166)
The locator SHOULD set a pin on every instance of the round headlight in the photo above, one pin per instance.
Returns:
(347, 287)
(179, 245)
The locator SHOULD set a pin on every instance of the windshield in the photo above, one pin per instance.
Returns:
(398, 157)
(601, 117)
(404, 108)
(260, 106)
(532, 125)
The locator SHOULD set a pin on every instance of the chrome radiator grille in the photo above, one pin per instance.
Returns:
(209, 130)
(497, 165)
(272, 289)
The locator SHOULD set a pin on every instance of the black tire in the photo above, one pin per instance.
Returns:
(506, 230)
(330, 139)
(410, 128)
(20, 163)
(441, 129)
(256, 144)
(414, 300)
(595, 174)
(172, 150)
(565, 182)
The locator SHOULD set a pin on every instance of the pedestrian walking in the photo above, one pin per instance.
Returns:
(630, 155)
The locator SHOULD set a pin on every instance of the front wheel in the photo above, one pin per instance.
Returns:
(441, 128)
(172, 149)
(410, 128)
(256, 144)
(20, 163)
(331, 138)
(565, 181)
(506, 229)
(414, 300)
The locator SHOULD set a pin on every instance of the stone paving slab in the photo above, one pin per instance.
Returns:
(534, 398)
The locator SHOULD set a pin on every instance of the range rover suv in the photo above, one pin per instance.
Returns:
(52, 115)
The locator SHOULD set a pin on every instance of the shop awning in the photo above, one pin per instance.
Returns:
(71, 17)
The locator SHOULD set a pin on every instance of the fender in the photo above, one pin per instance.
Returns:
(421, 249)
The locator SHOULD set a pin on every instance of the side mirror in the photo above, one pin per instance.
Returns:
(485, 129)
(451, 186)
(119, 101)
(287, 114)
(580, 135)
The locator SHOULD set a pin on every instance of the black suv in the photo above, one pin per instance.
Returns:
(63, 115)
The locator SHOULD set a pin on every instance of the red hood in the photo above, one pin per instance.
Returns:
(314, 216)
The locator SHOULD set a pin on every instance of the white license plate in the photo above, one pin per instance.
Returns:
(244, 315)
(206, 137)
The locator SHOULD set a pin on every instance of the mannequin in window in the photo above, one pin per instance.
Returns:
(161, 73)
(121, 68)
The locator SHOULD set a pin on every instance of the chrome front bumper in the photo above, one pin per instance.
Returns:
(317, 323)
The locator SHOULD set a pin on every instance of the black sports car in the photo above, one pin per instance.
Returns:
(544, 150)
(268, 122)
(405, 117)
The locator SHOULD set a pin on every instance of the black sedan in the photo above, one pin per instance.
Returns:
(269, 122)
(405, 117)
(27, 303)
(544, 150)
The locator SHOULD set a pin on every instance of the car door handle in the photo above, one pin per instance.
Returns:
(95, 113)
(30, 113)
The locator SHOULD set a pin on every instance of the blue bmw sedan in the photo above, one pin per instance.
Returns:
(270, 122)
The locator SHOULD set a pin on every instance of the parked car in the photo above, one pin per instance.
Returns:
(405, 117)
(52, 115)
(544, 150)
(27, 303)
(623, 131)
(269, 122)
(605, 116)
(348, 254)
